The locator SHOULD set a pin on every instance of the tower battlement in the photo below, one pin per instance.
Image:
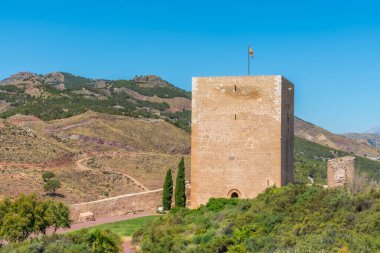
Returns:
(242, 136)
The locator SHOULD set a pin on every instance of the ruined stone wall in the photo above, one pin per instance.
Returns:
(119, 205)
(242, 140)
(341, 172)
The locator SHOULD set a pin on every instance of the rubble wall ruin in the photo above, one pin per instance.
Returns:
(341, 172)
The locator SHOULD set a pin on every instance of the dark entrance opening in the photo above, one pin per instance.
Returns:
(234, 195)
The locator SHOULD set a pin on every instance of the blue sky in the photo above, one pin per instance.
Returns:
(328, 48)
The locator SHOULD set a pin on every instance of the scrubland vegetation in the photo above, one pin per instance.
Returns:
(295, 218)
(83, 241)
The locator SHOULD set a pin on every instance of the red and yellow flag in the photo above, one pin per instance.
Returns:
(251, 52)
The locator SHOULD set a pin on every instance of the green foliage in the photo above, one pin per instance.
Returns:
(52, 185)
(180, 187)
(181, 119)
(104, 241)
(163, 92)
(48, 175)
(294, 218)
(11, 88)
(59, 215)
(167, 195)
(83, 241)
(217, 204)
(27, 215)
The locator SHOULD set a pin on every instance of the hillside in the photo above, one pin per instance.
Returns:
(62, 95)
(295, 218)
(321, 136)
(87, 150)
(366, 138)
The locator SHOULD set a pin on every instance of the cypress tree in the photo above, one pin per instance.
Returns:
(168, 191)
(180, 194)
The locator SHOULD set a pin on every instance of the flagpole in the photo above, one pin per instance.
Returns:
(248, 60)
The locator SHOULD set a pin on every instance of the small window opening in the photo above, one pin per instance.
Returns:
(235, 116)
(235, 88)
(234, 195)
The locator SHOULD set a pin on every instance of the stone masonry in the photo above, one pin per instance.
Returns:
(242, 136)
(341, 172)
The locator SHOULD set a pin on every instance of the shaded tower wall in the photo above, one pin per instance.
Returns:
(242, 136)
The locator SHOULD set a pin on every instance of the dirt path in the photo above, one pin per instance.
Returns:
(81, 166)
(127, 245)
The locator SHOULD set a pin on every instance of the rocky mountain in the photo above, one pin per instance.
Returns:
(62, 95)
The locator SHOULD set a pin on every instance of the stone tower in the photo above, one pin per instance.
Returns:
(242, 136)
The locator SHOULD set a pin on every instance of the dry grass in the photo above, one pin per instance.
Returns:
(148, 168)
(141, 148)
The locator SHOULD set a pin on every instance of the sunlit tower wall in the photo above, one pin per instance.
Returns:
(242, 137)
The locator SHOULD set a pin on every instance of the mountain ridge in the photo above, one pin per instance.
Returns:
(61, 95)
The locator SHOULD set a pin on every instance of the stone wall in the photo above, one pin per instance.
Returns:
(242, 136)
(119, 205)
(341, 172)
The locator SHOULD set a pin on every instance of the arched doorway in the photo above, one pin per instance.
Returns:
(234, 194)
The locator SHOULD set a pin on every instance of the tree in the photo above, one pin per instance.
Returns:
(48, 175)
(27, 215)
(52, 185)
(23, 217)
(60, 215)
(167, 195)
(180, 190)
